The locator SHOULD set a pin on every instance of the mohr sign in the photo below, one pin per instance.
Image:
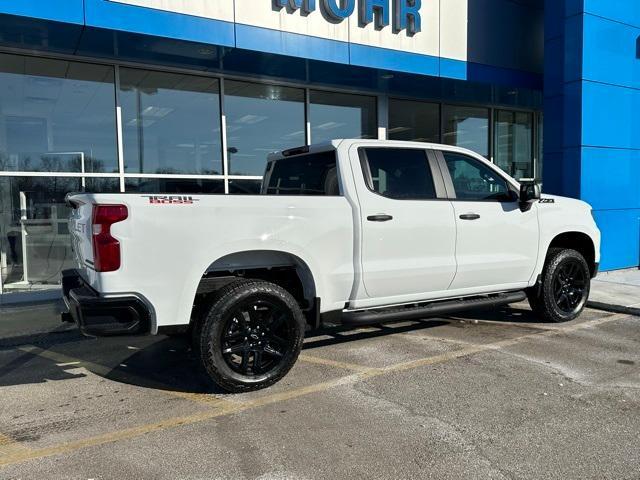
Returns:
(400, 14)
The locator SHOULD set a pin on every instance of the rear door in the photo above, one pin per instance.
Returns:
(408, 225)
(497, 241)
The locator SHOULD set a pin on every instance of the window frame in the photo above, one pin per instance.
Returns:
(430, 161)
(451, 191)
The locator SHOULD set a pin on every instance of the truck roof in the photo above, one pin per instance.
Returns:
(334, 144)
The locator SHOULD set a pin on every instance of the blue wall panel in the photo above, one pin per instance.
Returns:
(623, 11)
(620, 238)
(394, 60)
(592, 126)
(611, 178)
(573, 114)
(70, 11)
(149, 21)
(610, 116)
(611, 52)
(292, 44)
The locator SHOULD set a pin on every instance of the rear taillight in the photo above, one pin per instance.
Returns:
(106, 249)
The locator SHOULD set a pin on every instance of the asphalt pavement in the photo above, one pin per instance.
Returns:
(494, 394)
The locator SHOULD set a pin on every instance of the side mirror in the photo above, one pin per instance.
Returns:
(529, 191)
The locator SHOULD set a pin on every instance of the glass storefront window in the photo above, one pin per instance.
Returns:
(56, 116)
(173, 185)
(466, 127)
(171, 123)
(414, 121)
(338, 115)
(261, 119)
(244, 187)
(514, 143)
(34, 239)
(102, 185)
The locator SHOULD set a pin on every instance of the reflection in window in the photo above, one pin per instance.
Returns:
(102, 185)
(474, 181)
(261, 119)
(414, 121)
(244, 187)
(171, 123)
(173, 185)
(514, 143)
(35, 245)
(313, 174)
(34, 238)
(338, 115)
(399, 173)
(56, 116)
(466, 127)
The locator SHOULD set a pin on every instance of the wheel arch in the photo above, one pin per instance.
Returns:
(280, 267)
(580, 242)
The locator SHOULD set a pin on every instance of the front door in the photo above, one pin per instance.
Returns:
(408, 225)
(497, 242)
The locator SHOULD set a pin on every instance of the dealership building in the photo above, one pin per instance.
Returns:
(190, 96)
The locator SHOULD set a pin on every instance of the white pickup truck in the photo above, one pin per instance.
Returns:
(351, 231)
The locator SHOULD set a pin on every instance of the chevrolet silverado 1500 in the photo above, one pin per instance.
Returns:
(352, 231)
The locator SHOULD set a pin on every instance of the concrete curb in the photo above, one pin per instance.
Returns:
(608, 307)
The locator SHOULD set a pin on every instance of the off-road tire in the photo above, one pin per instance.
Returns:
(543, 298)
(210, 334)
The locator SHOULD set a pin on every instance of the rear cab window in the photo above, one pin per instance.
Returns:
(311, 174)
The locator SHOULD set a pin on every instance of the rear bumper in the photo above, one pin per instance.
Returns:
(98, 316)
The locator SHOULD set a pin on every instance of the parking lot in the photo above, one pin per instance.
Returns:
(489, 395)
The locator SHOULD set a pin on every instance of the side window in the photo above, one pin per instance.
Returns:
(399, 173)
(313, 174)
(474, 181)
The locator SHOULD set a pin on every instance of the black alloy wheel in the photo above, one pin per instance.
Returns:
(257, 336)
(251, 336)
(564, 286)
(569, 285)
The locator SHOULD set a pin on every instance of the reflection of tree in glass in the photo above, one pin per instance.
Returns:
(4, 162)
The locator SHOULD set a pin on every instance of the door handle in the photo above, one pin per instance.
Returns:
(469, 216)
(379, 218)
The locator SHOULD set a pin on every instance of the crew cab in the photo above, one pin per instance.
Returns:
(351, 232)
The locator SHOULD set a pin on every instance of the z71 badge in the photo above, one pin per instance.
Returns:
(171, 199)
(547, 200)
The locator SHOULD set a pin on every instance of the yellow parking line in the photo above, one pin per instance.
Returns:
(333, 363)
(103, 370)
(8, 446)
(231, 408)
(473, 348)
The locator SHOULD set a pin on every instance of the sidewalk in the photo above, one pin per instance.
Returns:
(617, 291)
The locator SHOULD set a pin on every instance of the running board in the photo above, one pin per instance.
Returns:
(426, 310)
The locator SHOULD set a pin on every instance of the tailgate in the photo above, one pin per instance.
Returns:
(80, 231)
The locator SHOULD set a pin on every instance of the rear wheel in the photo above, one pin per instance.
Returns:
(251, 336)
(564, 288)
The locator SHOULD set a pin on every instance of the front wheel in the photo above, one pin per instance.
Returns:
(251, 336)
(565, 286)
